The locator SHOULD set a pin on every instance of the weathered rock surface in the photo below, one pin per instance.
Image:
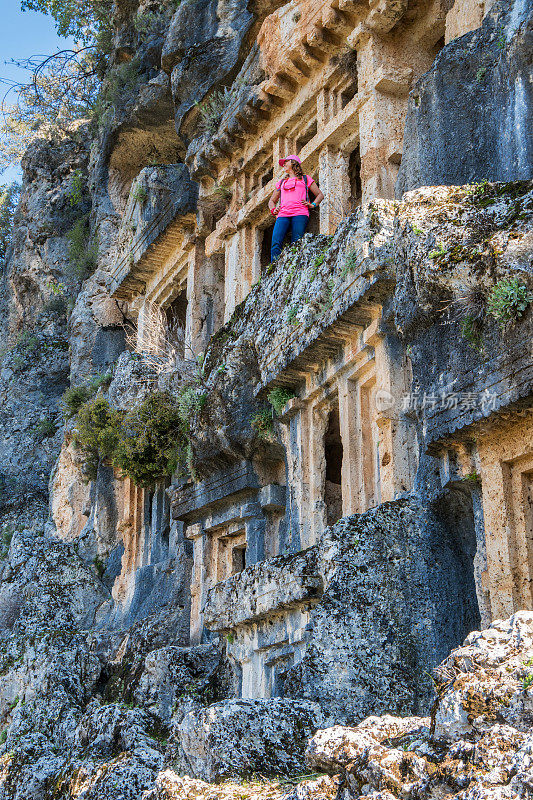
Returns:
(480, 744)
(397, 597)
(171, 673)
(246, 737)
(160, 197)
(202, 48)
(67, 691)
(469, 116)
(477, 745)
(170, 786)
(487, 681)
(36, 287)
(99, 692)
(273, 585)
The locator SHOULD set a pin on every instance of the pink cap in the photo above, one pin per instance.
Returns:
(289, 158)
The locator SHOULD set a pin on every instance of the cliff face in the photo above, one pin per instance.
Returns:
(468, 117)
(243, 502)
(39, 283)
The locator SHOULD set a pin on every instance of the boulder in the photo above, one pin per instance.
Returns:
(242, 737)
(170, 786)
(488, 680)
(482, 743)
(112, 729)
(379, 628)
(337, 747)
(171, 672)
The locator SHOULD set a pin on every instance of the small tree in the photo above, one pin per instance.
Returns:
(97, 432)
(151, 442)
(84, 20)
(62, 87)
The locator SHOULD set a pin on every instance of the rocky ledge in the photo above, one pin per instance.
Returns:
(86, 715)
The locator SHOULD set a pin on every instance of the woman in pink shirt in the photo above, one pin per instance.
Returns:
(293, 211)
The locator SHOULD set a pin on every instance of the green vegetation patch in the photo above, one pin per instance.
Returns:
(151, 442)
(97, 433)
(82, 249)
(279, 397)
(147, 443)
(76, 396)
(508, 300)
(263, 424)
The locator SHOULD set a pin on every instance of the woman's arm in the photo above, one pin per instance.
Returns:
(317, 194)
(276, 194)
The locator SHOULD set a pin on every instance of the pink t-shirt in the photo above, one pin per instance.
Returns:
(293, 198)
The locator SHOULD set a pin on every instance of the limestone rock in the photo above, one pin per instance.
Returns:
(336, 747)
(112, 729)
(37, 285)
(482, 79)
(322, 788)
(202, 48)
(96, 330)
(242, 737)
(367, 763)
(378, 609)
(125, 777)
(170, 786)
(482, 743)
(132, 381)
(267, 587)
(171, 672)
(488, 679)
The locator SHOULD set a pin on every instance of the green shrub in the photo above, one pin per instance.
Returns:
(263, 424)
(351, 263)
(140, 194)
(7, 536)
(527, 681)
(45, 428)
(212, 110)
(9, 197)
(147, 444)
(97, 433)
(292, 316)
(82, 252)
(472, 332)
(190, 401)
(99, 566)
(100, 381)
(27, 343)
(279, 397)
(3, 737)
(74, 398)
(5, 539)
(151, 443)
(119, 84)
(76, 189)
(508, 300)
(439, 253)
(145, 22)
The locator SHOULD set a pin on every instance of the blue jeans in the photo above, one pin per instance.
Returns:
(297, 225)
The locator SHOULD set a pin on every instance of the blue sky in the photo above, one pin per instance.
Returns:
(22, 35)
